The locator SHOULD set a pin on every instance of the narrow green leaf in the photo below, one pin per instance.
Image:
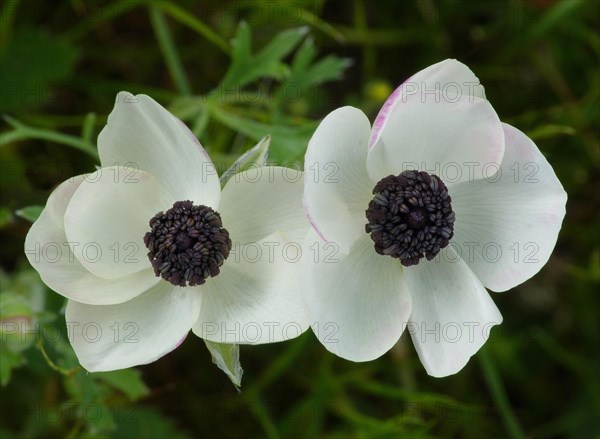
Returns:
(496, 388)
(281, 45)
(326, 69)
(193, 23)
(257, 155)
(87, 130)
(246, 67)
(549, 131)
(169, 51)
(227, 358)
(30, 213)
(289, 142)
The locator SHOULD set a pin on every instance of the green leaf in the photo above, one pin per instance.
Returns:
(549, 131)
(29, 64)
(246, 67)
(227, 358)
(256, 156)
(306, 74)
(288, 143)
(30, 213)
(10, 360)
(128, 381)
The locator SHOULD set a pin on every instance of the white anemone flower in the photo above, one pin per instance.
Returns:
(149, 246)
(417, 215)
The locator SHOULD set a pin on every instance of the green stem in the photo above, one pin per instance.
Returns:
(87, 130)
(193, 23)
(496, 388)
(108, 13)
(167, 47)
(52, 364)
(23, 132)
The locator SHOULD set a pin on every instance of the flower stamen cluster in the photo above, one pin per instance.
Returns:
(187, 244)
(410, 217)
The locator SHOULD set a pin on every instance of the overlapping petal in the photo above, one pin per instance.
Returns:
(49, 252)
(262, 200)
(337, 188)
(143, 135)
(452, 313)
(139, 331)
(447, 138)
(107, 218)
(357, 302)
(507, 224)
(449, 78)
(256, 297)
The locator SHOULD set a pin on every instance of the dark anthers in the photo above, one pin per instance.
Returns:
(187, 244)
(410, 217)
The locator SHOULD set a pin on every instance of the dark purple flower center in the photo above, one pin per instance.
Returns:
(187, 244)
(410, 217)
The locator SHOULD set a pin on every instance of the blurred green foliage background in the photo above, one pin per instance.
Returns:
(235, 71)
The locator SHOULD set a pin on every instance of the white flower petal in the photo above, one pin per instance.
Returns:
(261, 201)
(450, 77)
(140, 331)
(357, 303)
(141, 134)
(439, 136)
(507, 225)
(256, 297)
(48, 251)
(452, 313)
(337, 188)
(106, 221)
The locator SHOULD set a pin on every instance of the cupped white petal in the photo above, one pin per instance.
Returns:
(357, 303)
(141, 134)
(256, 297)
(262, 200)
(507, 224)
(450, 77)
(445, 137)
(140, 331)
(452, 313)
(107, 218)
(337, 187)
(47, 249)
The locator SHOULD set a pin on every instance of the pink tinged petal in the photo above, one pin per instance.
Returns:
(48, 250)
(256, 298)
(452, 313)
(106, 221)
(140, 331)
(448, 138)
(141, 134)
(357, 303)
(262, 200)
(507, 224)
(451, 77)
(337, 188)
